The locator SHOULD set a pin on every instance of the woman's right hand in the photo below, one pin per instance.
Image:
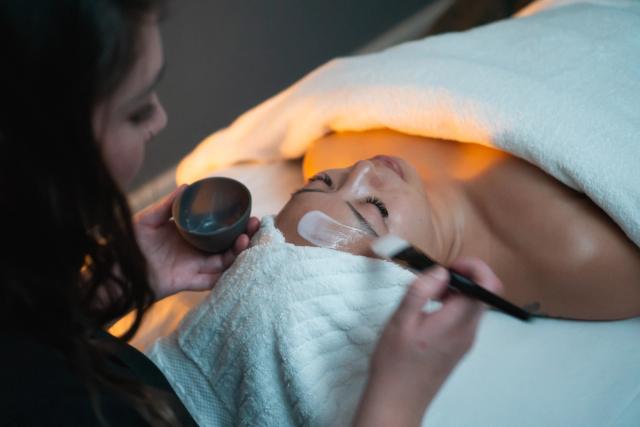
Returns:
(417, 350)
(175, 265)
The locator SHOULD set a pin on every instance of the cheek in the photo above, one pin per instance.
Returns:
(359, 247)
(123, 150)
(410, 217)
(287, 223)
(289, 217)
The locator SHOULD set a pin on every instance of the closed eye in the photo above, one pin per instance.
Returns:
(324, 178)
(378, 204)
(320, 177)
(143, 114)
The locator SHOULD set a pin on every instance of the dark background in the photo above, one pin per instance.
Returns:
(224, 56)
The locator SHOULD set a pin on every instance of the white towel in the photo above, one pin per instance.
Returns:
(560, 88)
(284, 338)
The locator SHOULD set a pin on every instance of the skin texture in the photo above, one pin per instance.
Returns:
(554, 250)
(123, 124)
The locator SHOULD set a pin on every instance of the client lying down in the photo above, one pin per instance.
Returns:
(557, 254)
(286, 335)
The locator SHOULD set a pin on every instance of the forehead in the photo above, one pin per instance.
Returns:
(150, 54)
(149, 62)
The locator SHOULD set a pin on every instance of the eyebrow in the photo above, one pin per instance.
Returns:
(150, 87)
(307, 190)
(361, 219)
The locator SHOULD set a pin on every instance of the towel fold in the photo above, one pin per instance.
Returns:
(285, 337)
(560, 89)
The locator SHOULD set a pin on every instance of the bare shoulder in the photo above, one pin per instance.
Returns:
(568, 257)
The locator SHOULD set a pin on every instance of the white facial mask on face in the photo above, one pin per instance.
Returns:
(320, 229)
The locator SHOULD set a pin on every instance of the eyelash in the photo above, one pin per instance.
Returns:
(324, 178)
(371, 199)
(378, 204)
(143, 114)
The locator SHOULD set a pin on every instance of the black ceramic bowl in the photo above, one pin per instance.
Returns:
(211, 213)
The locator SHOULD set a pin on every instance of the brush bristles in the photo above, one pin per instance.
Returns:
(389, 245)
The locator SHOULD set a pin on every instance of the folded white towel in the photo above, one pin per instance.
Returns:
(285, 337)
(560, 88)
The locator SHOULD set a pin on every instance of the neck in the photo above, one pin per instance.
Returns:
(458, 227)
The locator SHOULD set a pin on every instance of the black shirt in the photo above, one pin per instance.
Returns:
(39, 388)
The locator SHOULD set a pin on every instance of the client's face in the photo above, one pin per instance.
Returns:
(372, 197)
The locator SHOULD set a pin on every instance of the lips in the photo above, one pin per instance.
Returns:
(392, 164)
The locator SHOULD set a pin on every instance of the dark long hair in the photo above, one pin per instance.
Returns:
(66, 224)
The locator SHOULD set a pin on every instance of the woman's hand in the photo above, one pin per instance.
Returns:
(417, 350)
(174, 265)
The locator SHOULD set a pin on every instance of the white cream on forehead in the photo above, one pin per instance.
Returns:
(320, 229)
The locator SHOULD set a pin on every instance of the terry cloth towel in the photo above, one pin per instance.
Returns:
(284, 338)
(559, 88)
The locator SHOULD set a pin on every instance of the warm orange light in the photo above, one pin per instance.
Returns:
(472, 160)
(432, 158)
(121, 326)
(315, 162)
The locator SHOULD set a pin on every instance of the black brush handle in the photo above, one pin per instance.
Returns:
(469, 287)
(418, 260)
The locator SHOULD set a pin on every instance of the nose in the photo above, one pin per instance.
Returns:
(159, 121)
(162, 118)
(361, 177)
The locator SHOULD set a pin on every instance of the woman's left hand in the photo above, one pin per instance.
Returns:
(174, 265)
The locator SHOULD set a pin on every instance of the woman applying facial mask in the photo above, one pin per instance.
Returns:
(556, 252)
(78, 106)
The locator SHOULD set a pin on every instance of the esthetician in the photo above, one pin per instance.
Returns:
(78, 105)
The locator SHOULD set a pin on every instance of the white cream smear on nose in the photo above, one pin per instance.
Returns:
(357, 186)
(320, 229)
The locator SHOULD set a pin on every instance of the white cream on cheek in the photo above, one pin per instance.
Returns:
(320, 229)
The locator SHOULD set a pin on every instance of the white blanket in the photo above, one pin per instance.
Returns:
(560, 89)
(285, 337)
